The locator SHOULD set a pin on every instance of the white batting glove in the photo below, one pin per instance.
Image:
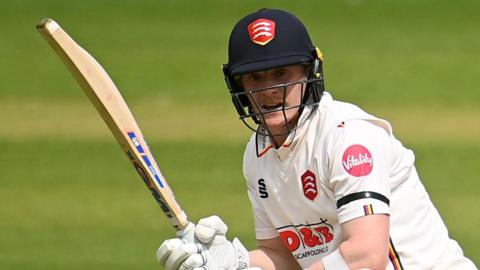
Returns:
(210, 249)
(173, 252)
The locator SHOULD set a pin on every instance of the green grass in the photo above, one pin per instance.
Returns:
(403, 51)
(70, 199)
(82, 204)
(449, 173)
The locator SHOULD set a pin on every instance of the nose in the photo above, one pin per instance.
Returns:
(268, 95)
(269, 91)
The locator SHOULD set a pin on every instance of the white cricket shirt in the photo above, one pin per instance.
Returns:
(344, 163)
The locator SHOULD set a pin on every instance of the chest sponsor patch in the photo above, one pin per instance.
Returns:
(307, 240)
(357, 160)
(261, 31)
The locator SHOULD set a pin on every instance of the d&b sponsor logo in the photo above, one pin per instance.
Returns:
(307, 239)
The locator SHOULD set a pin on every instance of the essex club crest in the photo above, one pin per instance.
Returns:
(261, 31)
(309, 184)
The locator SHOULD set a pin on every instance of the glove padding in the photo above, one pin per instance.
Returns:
(209, 248)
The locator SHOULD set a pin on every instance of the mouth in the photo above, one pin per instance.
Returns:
(272, 107)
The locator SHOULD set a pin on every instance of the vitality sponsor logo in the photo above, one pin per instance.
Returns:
(309, 184)
(307, 240)
(261, 31)
(357, 160)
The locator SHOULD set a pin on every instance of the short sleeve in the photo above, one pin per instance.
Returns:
(358, 154)
(263, 227)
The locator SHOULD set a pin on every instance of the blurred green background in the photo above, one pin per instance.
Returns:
(69, 199)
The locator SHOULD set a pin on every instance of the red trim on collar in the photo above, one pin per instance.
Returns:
(265, 150)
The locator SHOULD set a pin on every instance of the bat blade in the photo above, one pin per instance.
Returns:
(108, 101)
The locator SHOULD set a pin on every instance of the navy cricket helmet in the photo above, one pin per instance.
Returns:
(267, 39)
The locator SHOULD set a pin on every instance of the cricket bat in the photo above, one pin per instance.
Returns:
(108, 101)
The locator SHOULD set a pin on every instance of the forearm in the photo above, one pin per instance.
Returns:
(268, 259)
(362, 247)
(353, 259)
(356, 258)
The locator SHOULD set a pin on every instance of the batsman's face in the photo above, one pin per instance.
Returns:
(276, 95)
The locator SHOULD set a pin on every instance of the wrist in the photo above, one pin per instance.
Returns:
(334, 261)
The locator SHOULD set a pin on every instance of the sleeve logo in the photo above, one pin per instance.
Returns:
(357, 160)
(261, 31)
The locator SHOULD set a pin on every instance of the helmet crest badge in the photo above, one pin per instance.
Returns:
(261, 31)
